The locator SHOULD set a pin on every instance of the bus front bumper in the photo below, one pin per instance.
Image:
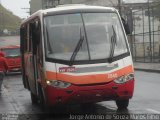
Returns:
(89, 93)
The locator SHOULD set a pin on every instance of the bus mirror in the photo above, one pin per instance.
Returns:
(126, 26)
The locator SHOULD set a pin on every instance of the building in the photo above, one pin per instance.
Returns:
(36, 5)
(145, 42)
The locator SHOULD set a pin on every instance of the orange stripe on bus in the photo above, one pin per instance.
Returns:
(51, 75)
(89, 79)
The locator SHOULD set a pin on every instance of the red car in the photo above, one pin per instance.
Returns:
(12, 54)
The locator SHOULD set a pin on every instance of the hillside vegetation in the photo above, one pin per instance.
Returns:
(8, 20)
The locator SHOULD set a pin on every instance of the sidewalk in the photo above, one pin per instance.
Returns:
(148, 67)
(6, 103)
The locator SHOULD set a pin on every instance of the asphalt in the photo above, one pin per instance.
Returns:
(147, 67)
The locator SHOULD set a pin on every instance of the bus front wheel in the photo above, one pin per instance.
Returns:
(122, 104)
(42, 101)
(34, 98)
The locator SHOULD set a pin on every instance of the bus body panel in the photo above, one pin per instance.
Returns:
(99, 73)
(89, 86)
(95, 93)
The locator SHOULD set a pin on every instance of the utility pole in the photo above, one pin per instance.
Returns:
(120, 7)
(149, 27)
(58, 2)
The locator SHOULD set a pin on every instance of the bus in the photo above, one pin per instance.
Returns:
(76, 54)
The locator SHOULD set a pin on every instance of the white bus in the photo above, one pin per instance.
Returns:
(76, 54)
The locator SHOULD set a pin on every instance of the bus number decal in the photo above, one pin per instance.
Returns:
(67, 69)
(112, 75)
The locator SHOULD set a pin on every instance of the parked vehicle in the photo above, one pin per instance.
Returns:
(12, 54)
(76, 54)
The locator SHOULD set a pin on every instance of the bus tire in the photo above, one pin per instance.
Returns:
(86, 106)
(34, 98)
(122, 104)
(5, 73)
(42, 101)
(27, 83)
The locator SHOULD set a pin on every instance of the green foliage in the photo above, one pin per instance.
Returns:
(8, 20)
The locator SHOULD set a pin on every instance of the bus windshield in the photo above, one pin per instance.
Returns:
(84, 36)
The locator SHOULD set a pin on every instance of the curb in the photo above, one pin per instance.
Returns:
(147, 70)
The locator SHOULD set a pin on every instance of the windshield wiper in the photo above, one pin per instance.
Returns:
(113, 43)
(78, 46)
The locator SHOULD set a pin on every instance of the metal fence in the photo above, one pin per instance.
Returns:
(145, 38)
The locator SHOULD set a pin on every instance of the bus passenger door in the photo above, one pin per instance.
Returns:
(36, 46)
(29, 60)
(30, 71)
(31, 56)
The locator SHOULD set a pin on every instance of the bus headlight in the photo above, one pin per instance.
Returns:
(124, 78)
(58, 83)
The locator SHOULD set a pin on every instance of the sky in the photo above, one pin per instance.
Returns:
(16, 6)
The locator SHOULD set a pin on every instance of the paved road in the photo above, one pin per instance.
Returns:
(146, 100)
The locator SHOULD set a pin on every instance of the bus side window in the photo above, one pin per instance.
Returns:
(31, 36)
(23, 39)
(36, 35)
(36, 41)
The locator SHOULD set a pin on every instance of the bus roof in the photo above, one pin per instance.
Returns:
(70, 7)
(77, 7)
